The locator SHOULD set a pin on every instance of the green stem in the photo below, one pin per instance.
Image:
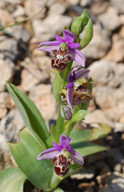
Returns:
(55, 181)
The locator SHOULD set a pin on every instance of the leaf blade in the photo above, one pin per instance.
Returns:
(27, 149)
(29, 112)
(12, 179)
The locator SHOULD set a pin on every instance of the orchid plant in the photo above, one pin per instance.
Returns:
(45, 157)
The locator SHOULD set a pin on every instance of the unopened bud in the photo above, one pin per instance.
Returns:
(66, 112)
(82, 27)
(87, 34)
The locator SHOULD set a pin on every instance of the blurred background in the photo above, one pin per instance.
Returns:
(29, 69)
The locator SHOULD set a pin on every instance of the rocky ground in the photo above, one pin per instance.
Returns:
(22, 64)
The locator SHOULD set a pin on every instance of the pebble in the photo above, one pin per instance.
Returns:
(85, 3)
(6, 73)
(9, 48)
(116, 53)
(11, 125)
(114, 184)
(119, 4)
(92, 118)
(110, 19)
(42, 96)
(49, 27)
(104, 76)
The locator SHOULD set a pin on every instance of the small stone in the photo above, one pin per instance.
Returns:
(114, 183)
(3, 111)
(118, 167)
(118, 127)
(9, 48)
(100, 7)
(119, 4)
(44, 63)
(11, 125)
(6, 73)
(34, 73)
(5, 18)
(32, 76)
(98, 46)
(83, 173)
(6, 100)
(114, 107)
(13, 1)
(102, 77)
(121, 120)
(110, 19)
(20, 33)
(57, 8)
(32, 7)
(116, 53)
(42, 96)
(98, 116)
(20, 11)
(42, 29)
(5, 155)
(85, 3)
(73, 2)
(121, 32)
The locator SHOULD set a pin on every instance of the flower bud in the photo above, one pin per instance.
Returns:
(79, 22)
(82, 27)
(66, 112)
(87, 34)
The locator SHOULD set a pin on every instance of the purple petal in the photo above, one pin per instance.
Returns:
(48, 154)
(73, 45)
(77, 56)
(82, 73)
(71, 76)
(48, 46)
(64, 141)
(68, 36)
(76, 157)
(59, 39)
(69, 85)
(59, 148)
(70, 97)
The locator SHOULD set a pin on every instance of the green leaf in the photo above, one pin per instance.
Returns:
(87, 34)
(86, 148)
(30, 114)
(69, 125)
(89, 134)
(12, 180)
(25, 152)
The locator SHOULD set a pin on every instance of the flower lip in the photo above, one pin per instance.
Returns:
(75, 86)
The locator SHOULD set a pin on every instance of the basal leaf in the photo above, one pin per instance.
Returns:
(12, 180)
(86, 148)
(30, 114)
(89, 134)
(25, 152)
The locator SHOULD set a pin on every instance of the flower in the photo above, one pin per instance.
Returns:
(77, 87)
(62, 155)
(63, 51)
